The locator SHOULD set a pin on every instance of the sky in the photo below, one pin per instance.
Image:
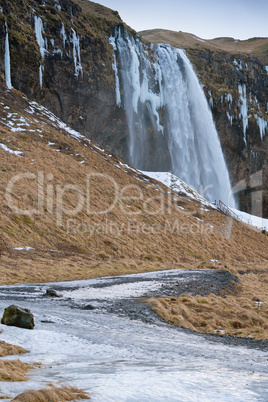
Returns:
(239, 19)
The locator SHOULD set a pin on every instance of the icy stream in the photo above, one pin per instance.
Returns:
(115, 358)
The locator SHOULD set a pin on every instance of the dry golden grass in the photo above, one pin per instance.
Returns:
(52, 394)
(244, 314)
(13, 370)
(61, 255)
(7, 349)
(253, 46)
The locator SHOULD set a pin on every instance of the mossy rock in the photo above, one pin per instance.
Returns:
(18, 317)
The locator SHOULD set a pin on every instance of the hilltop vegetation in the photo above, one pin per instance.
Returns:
(254, 46)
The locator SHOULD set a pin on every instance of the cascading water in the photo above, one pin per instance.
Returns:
(170, 123)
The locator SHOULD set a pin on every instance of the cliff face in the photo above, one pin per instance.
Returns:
(237, 91)
(61, 57)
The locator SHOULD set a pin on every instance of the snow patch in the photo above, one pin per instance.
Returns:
(200, 40)
(5, 148)
(252, 220)
(23, 248)
(179, 186)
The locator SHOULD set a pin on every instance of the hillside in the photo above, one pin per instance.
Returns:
(138, 234)
(254, 46)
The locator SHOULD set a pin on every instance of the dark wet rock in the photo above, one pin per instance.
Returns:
(47, 322)
(52, 293)
(89, 307)
(18, 317)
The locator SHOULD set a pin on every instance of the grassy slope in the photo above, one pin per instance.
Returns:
(253, 46)
(59, 255)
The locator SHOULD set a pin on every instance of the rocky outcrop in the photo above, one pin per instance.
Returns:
(18, 317)
(52, 293)
(60, 56)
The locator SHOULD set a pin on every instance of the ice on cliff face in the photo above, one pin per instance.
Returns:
(7, 61)
(159, 81)
(76, 54)
(242, 89)
(39, 30)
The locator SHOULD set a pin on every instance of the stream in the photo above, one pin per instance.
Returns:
(99, 338)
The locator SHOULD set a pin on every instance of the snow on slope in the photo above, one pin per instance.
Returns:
(252, 220)
(179, 186)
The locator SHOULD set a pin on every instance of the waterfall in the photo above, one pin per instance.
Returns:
(170, 123)
(7, 61)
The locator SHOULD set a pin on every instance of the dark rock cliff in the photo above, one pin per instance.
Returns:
(70, 69)
(237, 91)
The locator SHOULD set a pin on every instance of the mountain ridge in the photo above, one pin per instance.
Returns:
(257, 46)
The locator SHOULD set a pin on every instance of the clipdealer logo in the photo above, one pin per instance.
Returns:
(51, 197)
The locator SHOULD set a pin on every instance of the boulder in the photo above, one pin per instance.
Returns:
(52, 293)
(18, 317)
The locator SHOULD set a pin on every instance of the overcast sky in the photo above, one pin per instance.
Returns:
(240, 19)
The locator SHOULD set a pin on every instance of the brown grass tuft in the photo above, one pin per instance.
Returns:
(244, 314)
(13, 370)
(52, 394)
(7, 349)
